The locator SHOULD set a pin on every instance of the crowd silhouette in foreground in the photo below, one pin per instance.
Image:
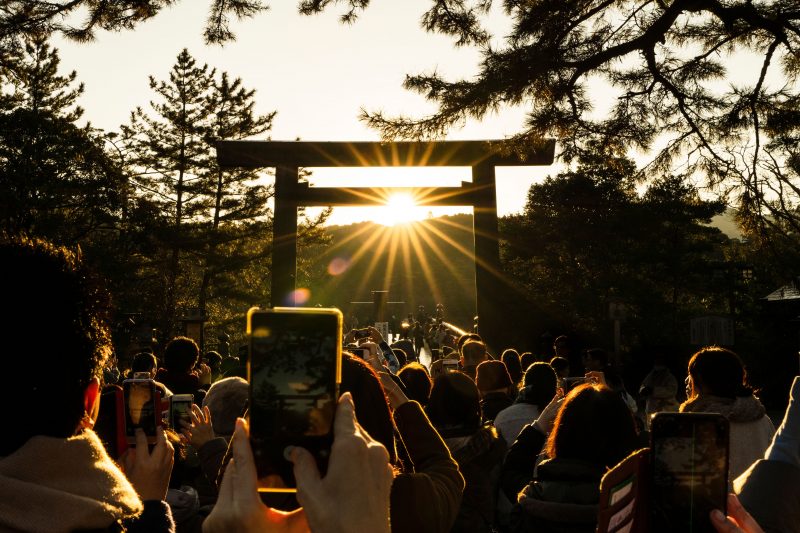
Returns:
(490, 444)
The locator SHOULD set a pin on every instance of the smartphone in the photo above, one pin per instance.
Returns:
(450, 365)
(180, 409)
(110, 423)
(142, 408)
(361, 353)
(361, 333)
(571, 383)
(294, 372)
(689, 470)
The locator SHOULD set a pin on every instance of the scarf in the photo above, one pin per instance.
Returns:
(740, 409)
(54, 485)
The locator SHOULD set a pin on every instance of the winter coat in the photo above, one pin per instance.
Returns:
(563, 498)
(751, 429)
(54, 484)
(479, 457)
(510, 421)
(427, 499)
(494, 402)
(770, 491)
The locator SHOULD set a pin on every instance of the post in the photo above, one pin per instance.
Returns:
(488, 284)
(284, 237)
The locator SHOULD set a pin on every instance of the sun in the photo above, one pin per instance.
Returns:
(400, 208)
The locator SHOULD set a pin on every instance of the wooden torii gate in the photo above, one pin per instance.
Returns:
(481, 194)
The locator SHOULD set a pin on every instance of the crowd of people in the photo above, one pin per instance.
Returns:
(479, 444)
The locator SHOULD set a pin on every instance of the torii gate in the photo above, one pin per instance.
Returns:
(481, 194)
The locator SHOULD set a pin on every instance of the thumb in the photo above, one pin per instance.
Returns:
(306, 473)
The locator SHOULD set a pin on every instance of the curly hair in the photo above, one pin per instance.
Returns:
(54, 321)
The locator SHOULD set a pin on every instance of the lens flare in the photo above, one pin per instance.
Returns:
(338, 265)
(299, 297)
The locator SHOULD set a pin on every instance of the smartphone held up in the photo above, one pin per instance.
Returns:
(294, 371)
(689, 469)
(142, 403)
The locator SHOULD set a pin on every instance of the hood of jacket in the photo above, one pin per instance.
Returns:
(53, 484)
(564, 495)
(740, 409)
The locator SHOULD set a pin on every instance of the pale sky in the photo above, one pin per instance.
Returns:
(316, 72)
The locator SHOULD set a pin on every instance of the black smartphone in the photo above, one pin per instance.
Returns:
(689, 471)
(361, 333)
(450, 365)
(294, 372)
(180, 409)
(362, 353)
(110, 423)
(142, 409)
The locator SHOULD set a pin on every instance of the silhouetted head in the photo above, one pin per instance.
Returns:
(492, 376)
(214, 360)
(55, 338)
(144, 362)
(473, 353)
(561, 366)
(593, 425)
(401, 355)
(369, 398)
(417, 381)
(467, 337)
(718, 372)
(180, 355)
(511, 359)
(454, 407)
(561, 346)
(540, 384)
(526, 359)
(595, 359)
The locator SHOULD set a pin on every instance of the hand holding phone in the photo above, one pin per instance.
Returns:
(738, 521)
(149, 471)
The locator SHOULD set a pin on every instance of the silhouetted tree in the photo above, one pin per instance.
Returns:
(239, 209)
(57, 180)
(170, 163)
(664, 67)
(586, 238)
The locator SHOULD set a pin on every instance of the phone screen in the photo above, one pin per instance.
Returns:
(295, 361)
(180, 410)
(450, 365)
(689, 470)
(140, 409)
(362, 353)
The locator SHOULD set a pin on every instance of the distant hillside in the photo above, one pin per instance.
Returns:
(727, 224)
(422, 263)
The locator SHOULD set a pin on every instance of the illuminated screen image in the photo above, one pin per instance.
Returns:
(690, 473)
(293, 389)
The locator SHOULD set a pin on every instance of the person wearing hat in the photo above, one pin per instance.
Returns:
(495, 387)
